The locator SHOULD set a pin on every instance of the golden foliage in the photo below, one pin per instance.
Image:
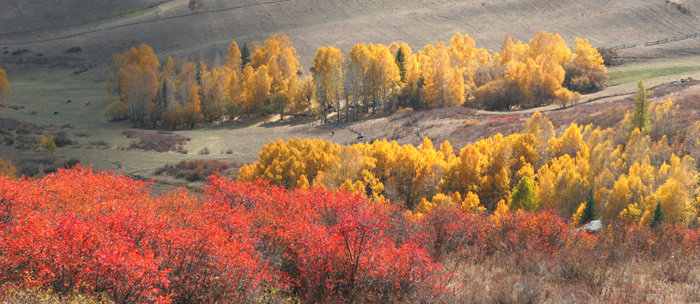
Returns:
(4, 86)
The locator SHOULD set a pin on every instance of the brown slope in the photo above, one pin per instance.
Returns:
(172, 28)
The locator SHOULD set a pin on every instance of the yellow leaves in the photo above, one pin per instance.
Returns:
(289, 164)
(565, 97)
(626, 190)
(675, 201)
(467, 57)
(328, 77)
(463, 175)
(501, 210)
(4, 86)
(663, 119)
(233, 60)
(256, 88)
(471, 203)
(631, 214)
(563, 182)
(7, 168)
(579, 213)
(570, 143)
(425, 206)
(545, 44)
(512, 52)
(444, 83)
(586, 70)
(302, 182)
(586, 55)
(48, 143)
(280, 57)
(373, 73)
(356, 187)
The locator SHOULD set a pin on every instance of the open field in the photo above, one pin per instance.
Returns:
(174, 27)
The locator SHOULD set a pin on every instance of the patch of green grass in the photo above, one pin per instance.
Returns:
(626, 76)
(61, 89)
(126, 13)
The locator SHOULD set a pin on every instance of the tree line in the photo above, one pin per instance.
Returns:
(370, 79)
(629, 170)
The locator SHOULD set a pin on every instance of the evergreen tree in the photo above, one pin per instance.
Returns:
(245, 55)
(640, 117)
(198, 76)
(524, 195)
(401, 63)
(657, 217)
(590, 212)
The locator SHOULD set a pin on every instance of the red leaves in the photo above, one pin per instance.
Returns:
(97, 233)
(329, 246)
(542, 231)
(79, 231)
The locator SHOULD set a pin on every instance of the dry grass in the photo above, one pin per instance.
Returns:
(198, 170)
(313, 23)
(620, 266)
(158, 142)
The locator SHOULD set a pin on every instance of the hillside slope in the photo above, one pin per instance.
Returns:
(206, 27)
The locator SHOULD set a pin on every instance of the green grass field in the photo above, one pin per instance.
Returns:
(622, 76)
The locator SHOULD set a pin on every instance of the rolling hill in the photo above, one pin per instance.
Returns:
(206, 27)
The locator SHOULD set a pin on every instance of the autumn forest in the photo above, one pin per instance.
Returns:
(374, 78)
(498, 220)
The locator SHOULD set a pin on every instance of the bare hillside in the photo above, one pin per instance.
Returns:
(206, 27)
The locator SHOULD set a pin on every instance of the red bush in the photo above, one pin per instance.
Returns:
(329, 246)
(104, 235)
(543, 232)
(109, 236)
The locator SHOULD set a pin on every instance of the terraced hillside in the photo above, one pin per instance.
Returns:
(206, 27)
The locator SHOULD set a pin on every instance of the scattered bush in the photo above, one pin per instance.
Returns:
(117, 111)
(23, 130)
(19, 295)
(159, 142)
(501, 120)
(680, 7)
(204, 151)
(501, 94)
(75, 49)
(196, 170)
(8, 140)
(469, 123)
(100, 144)
(610, 56)
(71, 163)
(29, 168)
(61, 139)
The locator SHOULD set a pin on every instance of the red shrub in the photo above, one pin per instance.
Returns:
(110, 236)
(329, 246)
(528, 231)
(449, 230)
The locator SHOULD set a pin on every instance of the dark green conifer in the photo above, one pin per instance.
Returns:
(401, 63)
(245, 55)
(657, 217)
(640, 117)
(590, 211)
